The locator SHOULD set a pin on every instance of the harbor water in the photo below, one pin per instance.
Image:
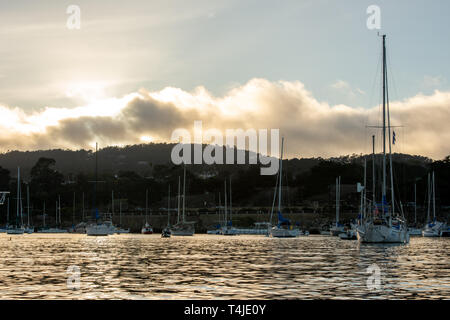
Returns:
(133, 266)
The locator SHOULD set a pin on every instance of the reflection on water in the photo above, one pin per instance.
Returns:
(219, 267)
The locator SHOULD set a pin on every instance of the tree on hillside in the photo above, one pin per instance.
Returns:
(45, 180)
(4, 179)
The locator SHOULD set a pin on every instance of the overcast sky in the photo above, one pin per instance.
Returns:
(310, 68)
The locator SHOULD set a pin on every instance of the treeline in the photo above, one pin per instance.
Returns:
(305, 180)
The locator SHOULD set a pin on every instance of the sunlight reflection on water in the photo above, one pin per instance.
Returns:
(219, 267)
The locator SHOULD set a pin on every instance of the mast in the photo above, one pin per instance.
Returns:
(168, 208)
(28, 205)
(434, 199)
(390, 148)
(59, 208)
(429, 198)
(120, 212)
(178, 199)
(146, 205)
(274, 197)
(184, 191)
(415, 205)
(44, 214)
(383, 197)
(338, 198)
(373, 170)
(7, 215)
(112, 202)
(281, 174)
(364, 190)
(231, 203)
(73, 210)
(18, 195)
(220, 204)
(56, 213)
(83, 207)
(226, 215)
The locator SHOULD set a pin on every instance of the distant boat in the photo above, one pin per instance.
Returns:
(413, 230)
(119, 229)
(284, 228)
(55, 229)
(166, 233)
(433, 227)
(337, 228)
(147, 228)
(183, 227)
(98, 227)
(228, 229)
(349, 234)
(28, 228)
(384, 225)
(18, 228)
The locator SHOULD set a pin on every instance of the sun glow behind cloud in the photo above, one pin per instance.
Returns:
(311, 127)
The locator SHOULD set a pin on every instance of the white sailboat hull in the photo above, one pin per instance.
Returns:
(415, 231)
(15, 231)
(98, 230)
(336, 231)
(371, 233)
(53, 230)
(276, 232)
(433, 230)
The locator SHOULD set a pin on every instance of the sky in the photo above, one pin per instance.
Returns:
(136, 70)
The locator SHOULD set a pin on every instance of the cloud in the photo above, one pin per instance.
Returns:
(345, 88)
(311, 127)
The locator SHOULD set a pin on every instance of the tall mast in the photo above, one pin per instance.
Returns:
(390, 148)
(429, 198)
(28, 205)
(434, 199)
(231, 202)
(226, 214)
(281, 174)
(146, 205)
(373, 170)
(383, 198)
(7, 216)
(18, 194)
(415, 205)
(178, 199)
(184, 192)
(168, 208)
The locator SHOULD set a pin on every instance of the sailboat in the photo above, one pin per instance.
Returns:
(166, 233)
(119, 229)
(146, 229)
(337, 228)
(3, 195)
(18, 227)
(284, 228)
(433, 227)
(99, 226)
(57, 228)
(385, 226)
(228, 229)
(413, 231)
(183, 227)
(28, 228)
